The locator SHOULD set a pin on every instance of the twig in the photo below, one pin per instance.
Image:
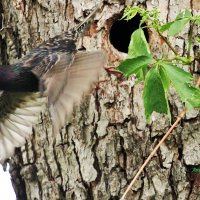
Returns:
(152, 153)
(181, 115)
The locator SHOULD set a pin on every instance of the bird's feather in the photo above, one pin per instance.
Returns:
(77, 79)
(18, 113)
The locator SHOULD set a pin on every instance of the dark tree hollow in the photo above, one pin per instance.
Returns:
(121, 30)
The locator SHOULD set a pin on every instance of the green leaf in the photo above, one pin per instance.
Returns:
(182, 82)
(166, 26)
(133, 65)
(197, 39)
(164, 78)
(178, 26)
(142, 73)
(197, 21)
(187, 13)
(184, 14)
(130, 12)
(154, 96)
(180, 16)
(138, 45)
(176, 74)
(192, 96)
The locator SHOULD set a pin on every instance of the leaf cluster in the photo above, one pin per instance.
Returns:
(159, 74)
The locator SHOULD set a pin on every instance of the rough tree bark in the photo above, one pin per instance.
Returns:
(100, 150)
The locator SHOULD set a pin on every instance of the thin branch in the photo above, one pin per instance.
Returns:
(181, 115)
(153, 153)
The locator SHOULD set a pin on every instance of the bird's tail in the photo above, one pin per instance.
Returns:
(84, 25)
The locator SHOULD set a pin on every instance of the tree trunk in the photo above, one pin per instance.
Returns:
(101, 149)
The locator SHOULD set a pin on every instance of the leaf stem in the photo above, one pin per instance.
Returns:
(181, 115)
(175, 63)
(190, 39)
(167, 42)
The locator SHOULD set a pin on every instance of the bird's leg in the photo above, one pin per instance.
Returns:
(110, 70)
(114, 71)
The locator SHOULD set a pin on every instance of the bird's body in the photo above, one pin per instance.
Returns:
(17, 79)
(54, 70)
(24, 75)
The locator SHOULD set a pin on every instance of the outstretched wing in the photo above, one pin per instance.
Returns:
(66, 88)
(64, 77)
(18, 113)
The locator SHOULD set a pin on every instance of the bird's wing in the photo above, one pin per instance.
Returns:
(18, 113)
(53, 64)
(64, 75)
(67, 87)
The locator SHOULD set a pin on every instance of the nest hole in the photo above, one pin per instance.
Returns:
(121, 30)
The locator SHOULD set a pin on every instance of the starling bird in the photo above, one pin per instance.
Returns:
(55, 73)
